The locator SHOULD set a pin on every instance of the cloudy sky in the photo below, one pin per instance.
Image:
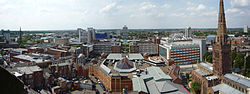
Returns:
(103, 14)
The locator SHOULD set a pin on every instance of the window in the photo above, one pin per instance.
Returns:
(30, 76)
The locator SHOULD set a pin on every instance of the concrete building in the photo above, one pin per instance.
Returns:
(124, 32)
(83, 35)
(107, 47)
(203, 46)
(245, 29)
(61, 41)
(87, 49)
(188, 33)
(143, 47)
(180, 52)
(91, 34)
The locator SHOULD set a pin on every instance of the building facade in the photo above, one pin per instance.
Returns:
(180, 52)
(83, 35)
(245, 29)
(188, 32)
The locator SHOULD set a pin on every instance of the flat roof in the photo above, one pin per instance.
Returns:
(226, 89)
(57, 50)
(61, 64)
(29, 69)
(32, 59)
(212, 77)
(238, 79)
(135, 56)
(114, 56)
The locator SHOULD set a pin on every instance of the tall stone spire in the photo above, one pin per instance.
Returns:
(222, 29)
(222, 56)
(20, 36)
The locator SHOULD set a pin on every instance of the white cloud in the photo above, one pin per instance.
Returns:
(240, 3)
(147, 6)
(108, 7)
(178, 14)
(3, 1)
(233, 10)
(166, 6)
(210, 13)
(198, 8)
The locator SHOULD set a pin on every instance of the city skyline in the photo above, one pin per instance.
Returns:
(104, 14)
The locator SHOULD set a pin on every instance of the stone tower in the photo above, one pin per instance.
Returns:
(20, 36)
(222, 55)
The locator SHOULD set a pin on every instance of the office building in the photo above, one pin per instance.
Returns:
(143, 47)
(245, 29)
(83, 35)
(106, 47)
(180, 52)
(188, 33)
(91, 34)
(202, 44)
(61, 41)
(124, 32)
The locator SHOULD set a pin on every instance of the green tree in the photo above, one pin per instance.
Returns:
(187, 76)
(233, 56)
(247, 66)
(207, 56)
(196, 87)
(239, 61)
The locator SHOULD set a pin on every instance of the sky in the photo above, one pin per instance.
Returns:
(114, 14)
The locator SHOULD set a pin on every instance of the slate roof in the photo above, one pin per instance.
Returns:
(238, 79)
(226, 89)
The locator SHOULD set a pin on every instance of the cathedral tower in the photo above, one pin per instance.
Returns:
(222, 55)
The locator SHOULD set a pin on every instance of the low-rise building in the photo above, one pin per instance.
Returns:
(57, 52)
(32, 76)
(61, 41)
(106, 47)
(64, 70)
(143, 47)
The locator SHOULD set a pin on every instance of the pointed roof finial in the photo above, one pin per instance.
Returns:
(221, 34)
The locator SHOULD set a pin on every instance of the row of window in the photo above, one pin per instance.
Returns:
(185, 49)
(183, 52)
(185, 57)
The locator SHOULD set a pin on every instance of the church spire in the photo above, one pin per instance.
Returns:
(222, 56)
(221, 34)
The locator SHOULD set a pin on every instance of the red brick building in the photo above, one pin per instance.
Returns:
(82, 70)
(116, 49)
(32, 76)
(57, 52)
(35, 50)
(62, 70)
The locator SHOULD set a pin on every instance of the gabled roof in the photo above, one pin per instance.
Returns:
(139, 85)
(238, 79)
(158, 74)
(226, 89)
